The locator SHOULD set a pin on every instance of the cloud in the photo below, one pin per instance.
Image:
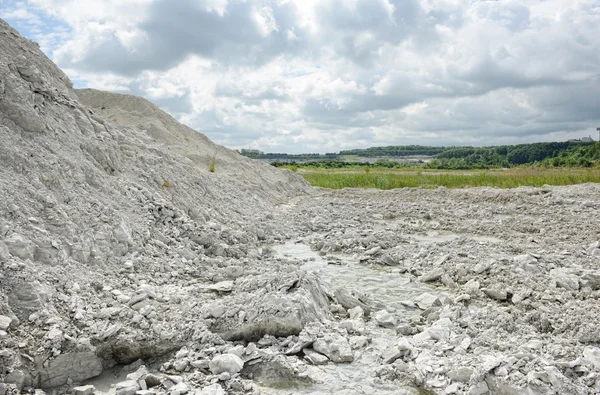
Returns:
(325, 75)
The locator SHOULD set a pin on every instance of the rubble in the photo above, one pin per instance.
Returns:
(118, 247)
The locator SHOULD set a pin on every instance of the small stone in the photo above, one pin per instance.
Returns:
(431, 276)
(181, 365)
(496, 293)
(237, 350)
(452, 389)
(356, 313)
(592, 355)
(4, 322)
(480, 388)
(314, 357)
(462, 374)
(182, 353)
(501, 371)
(214, 389)
(223, 286)
(20, 247)
(384, 319)
(226, 363)
(521, 295)
(217, 310)
(448, 281)
(404, 344)
(564, 279)
(357, 342)
(17, 378)
(392, 354)
(128, 387)
(335, 348)
(427, 300)
(179, 389)
(373, 251)
(225, 376)
(482, 267)
(84, 390)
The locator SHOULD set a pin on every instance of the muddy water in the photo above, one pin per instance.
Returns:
(386, 289)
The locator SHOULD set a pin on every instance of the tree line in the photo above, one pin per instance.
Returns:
(553, 154)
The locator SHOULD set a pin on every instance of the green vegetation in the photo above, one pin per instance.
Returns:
(558, 154)
(396, 150)
(213, 162)
(580, 156)
(390, 179)
(339, 164)
(256, 154)
(545, 154)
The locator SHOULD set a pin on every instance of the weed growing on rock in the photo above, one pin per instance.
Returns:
(213, 162)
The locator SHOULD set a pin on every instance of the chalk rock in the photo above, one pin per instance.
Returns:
(214, 389)
(431, 276)
(384, 319)
(392, 354)
(20, 246)
(528, 263)
(427, 300)
(452, 389)
(564, 279)
(78, 366)
(314, 357)
(127, 387)
(373, 251)
(462, 374)
(357, 313)
(496, 293)
(334, 347)
(84, 390)
(223, 286)
(4, 322)
(4, 252)
(480, 388)
(226, 363)
(349, 301)
(18, 378)
(180, 389)
(592, 355)
(592, 280)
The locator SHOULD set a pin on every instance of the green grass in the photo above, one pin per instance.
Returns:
(213, 162)
(390, 179)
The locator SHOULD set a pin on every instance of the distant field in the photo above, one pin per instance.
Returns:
(401, 178)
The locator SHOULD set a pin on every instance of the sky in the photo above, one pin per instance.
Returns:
(301, 76)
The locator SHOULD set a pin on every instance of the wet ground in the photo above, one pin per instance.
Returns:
(385, 288)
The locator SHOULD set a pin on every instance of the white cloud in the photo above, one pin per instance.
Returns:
(303, 75)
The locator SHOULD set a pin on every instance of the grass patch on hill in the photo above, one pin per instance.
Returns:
(505, 178)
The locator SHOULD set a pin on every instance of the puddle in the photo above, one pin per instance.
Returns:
(384, 288)
(106, 382)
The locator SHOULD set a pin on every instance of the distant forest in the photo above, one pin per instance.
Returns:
(558, 154)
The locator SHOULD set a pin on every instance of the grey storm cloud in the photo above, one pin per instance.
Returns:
(174, 30)
(410, 71)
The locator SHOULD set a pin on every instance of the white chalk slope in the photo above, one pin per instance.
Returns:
(110, 222)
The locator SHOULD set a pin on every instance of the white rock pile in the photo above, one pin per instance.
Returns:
(123, 256)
